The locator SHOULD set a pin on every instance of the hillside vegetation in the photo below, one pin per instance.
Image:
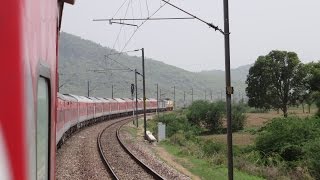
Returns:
(78, 57)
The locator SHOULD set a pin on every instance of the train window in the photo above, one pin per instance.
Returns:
(43, 119)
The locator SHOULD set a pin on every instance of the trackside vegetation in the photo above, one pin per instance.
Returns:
(284, 148)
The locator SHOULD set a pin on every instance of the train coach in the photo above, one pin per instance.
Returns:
(29, 36)
(75, 112)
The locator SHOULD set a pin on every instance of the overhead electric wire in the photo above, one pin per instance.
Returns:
(119, 8)
(209, 24)
(147, 7)
(143, 19)
(140, 9)
(121, 52)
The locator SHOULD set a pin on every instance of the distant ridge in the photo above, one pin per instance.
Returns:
(78, 57)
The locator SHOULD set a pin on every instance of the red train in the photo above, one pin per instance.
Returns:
(32, 119)
(75, 111)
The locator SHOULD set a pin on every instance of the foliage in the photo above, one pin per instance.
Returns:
(177, 123)
(275, 81)
(312, 157)
(314, 84)
(207, 115)
(214, 115)
(286, 138)
(211, 148)
(197, 112)
(238, 117)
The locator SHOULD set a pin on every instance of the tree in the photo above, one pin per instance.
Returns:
(275, 81)
(313, 85)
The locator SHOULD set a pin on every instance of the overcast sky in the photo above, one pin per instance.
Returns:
(257, 27)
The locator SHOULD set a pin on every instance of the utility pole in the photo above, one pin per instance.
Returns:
(174, 97)
(229, 88)
(211, 95)
(221, 95)
(157, 100)
(135, 81)
(112, 91)
(88, 88)
(132, 88)
(144, 96)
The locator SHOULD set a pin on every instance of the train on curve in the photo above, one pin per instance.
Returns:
(33, 116)
(75, 112)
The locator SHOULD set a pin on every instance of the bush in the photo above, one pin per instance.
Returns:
(312, 157)
(197, 112)
(211, 148)
(286, 137)
(175, 122)
(238, 117)
(214, 115)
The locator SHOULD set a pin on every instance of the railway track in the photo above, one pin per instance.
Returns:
(119, 160)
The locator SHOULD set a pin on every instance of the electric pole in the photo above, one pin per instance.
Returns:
(112, 91)
(211, 95)
(157, 100)
(135, 81)
(132, 88)
(229, 88)
(144, 96)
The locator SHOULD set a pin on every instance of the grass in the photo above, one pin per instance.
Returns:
(238, 138)
(203, 168)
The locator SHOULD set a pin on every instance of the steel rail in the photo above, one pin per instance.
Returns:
(135, 158)
(107, 164)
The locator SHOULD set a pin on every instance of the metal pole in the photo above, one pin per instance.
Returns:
(229, 89)
(136, 88)
(132, 109)
(88, 88)
(144, 96)
(112, 91)
(158, 100)
(174, 97)
(132, 92)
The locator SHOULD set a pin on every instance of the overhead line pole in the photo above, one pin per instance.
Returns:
(144, 96)
(112, 91)
(229, 88)
(158, 100)
(136, 84)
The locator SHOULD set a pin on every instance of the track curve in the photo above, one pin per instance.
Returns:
(119, 160)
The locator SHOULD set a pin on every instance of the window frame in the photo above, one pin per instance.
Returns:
(44, 72)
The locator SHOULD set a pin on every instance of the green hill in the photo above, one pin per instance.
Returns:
(78, 58)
